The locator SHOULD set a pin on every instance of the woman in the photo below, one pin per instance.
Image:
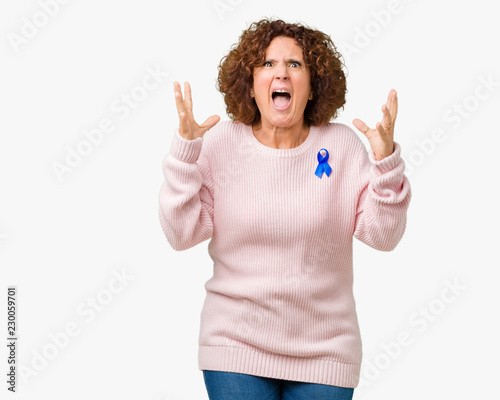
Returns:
(281, 191)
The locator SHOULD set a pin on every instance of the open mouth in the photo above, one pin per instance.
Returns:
(281, 99)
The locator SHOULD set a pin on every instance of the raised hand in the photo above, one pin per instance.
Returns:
(188, 128)
(382, 138)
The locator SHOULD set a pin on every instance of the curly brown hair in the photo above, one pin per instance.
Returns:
(328, 81)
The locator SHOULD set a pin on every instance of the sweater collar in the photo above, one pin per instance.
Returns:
(273, 152)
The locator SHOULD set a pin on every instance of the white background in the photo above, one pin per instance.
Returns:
(62, 241)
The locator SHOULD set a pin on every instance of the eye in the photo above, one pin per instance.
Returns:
(267, 63)
(295, 64)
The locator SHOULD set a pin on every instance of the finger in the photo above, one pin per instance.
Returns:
(179, 102)
(210, 123)
(392, 104)
(380, 129)
(394, 109)
(387, 119)
(181, 109)
(362, 127)
(188, 101)
(183, 123)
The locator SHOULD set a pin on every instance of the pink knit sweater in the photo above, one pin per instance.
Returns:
(280, 302)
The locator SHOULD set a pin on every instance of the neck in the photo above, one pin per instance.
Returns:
(281, 137)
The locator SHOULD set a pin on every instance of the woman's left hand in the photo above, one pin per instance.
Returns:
(382, 138)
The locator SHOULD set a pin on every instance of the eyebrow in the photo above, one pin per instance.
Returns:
(288, 60)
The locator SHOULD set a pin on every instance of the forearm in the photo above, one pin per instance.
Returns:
(185, 200)
(384, 201)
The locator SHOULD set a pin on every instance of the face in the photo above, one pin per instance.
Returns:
(283, 70)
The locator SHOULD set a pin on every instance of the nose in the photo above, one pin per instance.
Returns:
(281, 71)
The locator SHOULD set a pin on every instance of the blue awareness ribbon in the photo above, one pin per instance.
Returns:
(323, 165)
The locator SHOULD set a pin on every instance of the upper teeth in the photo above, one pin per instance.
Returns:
(280, 91)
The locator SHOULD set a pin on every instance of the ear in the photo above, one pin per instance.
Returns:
(311, 96)
(251, 93)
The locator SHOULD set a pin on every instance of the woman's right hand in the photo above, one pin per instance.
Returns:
(188, 128)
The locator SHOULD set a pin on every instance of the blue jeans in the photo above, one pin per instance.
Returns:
(235, 386)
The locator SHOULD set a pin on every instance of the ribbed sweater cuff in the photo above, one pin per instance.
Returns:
(184, 149)
(387, 163)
